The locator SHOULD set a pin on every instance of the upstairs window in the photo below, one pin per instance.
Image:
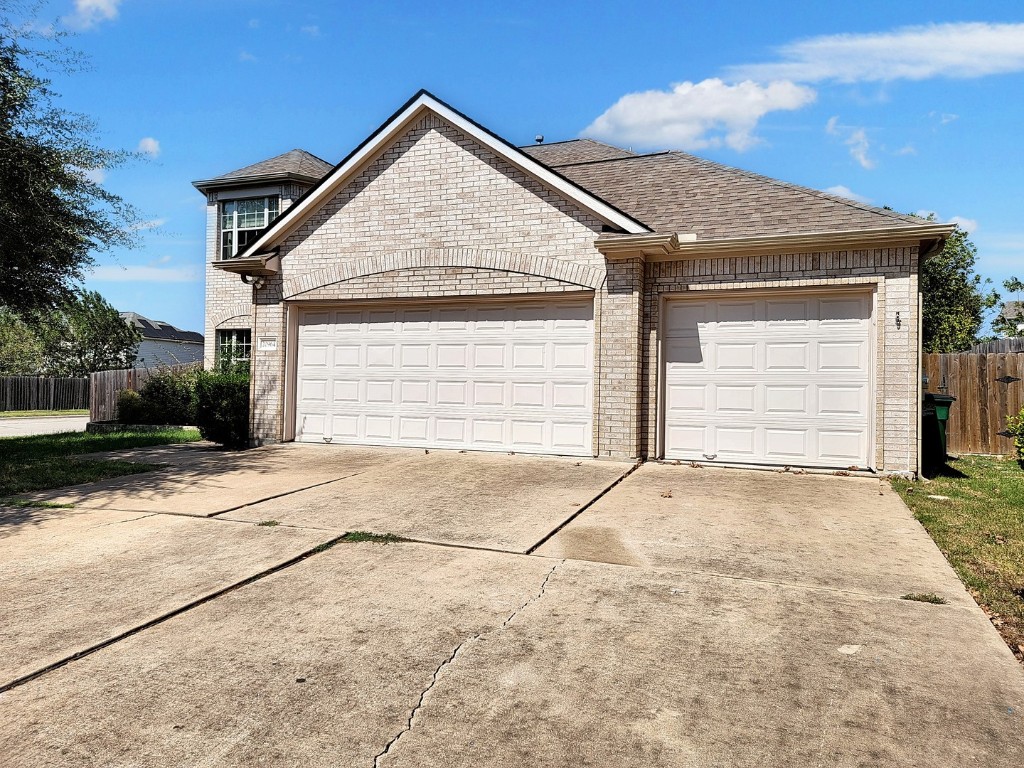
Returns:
(242, 220)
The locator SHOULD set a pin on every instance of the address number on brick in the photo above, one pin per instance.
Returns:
(266, 343)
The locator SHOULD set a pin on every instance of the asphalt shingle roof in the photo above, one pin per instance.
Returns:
(159, 330)
(678, 192)
(297, 162)
(574, 151)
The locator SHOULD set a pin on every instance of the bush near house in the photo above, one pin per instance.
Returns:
(222, 408)
(167, 397)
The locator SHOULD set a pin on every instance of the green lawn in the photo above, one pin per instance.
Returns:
(980, 530)
(41, 462)
(33, 414)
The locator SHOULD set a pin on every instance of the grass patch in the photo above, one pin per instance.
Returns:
(34, 414)
(41, 462)
(924, 597)
(19, 503)
(268, 523)
(980, 530)
(376, 538)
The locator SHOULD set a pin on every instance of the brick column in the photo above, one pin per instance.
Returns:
(618, 326)
(266, 393)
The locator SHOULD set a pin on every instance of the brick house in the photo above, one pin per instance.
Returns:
(442, 288)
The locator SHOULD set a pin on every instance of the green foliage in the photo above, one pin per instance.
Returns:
(955, 299)
(170, 396)
(1006, 323)
(1015, 426)
(53, 212)
(130, 408)
(222, 408)
(83, 335)
(21, 352)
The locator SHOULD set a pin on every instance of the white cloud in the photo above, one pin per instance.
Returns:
(840, 191)
(697, 115)
(149, 146)
(89, 13)
(958, 50)
(145, 274)
(312, 30)
(246, 56)
(966, 224)
(908, 149)
(95, 175)
(855, 139)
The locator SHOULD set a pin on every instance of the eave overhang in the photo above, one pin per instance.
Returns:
(206, 185)
(261, 265)
(675, 246)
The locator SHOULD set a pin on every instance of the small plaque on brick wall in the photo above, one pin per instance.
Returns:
(266, 343)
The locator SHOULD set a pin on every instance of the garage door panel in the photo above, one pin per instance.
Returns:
(769, 380)
(490, 376)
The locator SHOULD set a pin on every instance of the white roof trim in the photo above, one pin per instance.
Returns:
(421, 104)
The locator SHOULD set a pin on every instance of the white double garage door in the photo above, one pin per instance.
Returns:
(759, 379)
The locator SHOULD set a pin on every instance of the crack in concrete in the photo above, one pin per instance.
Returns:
(410, 722)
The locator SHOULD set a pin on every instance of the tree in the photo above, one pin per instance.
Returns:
(53, 214)
(1009, 321)
(954, 298)
(86, 334)
(21, 352)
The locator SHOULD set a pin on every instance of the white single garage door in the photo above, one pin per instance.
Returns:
(514, 376)
(781, 379)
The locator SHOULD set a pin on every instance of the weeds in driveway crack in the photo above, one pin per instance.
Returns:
(419, 704)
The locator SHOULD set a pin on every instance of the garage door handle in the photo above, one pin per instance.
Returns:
(710, 456)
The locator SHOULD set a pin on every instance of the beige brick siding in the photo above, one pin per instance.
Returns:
(435, 216)
(892, 272)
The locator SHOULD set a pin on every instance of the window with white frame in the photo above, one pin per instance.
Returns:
(242, 220)
(234, 345)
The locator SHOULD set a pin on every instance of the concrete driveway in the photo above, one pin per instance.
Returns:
(42, 425)
(680, 617)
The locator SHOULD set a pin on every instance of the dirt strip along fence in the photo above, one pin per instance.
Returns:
(105, 386)
(988, 388)
(43, 393)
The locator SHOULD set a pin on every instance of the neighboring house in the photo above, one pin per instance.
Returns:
(163, 344)
(441, 288)
(1014, 311)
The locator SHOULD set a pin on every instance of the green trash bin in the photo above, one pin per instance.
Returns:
(942, 405)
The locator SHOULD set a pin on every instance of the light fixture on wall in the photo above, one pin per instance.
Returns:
(257, 281)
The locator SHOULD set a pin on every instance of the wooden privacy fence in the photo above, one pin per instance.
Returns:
(988, 388)
(39, 393)
(105, 386)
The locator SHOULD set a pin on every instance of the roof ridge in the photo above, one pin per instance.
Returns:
(315, 157)
(888, 212)
(634, 156)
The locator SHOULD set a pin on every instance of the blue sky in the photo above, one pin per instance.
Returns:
(915, 105)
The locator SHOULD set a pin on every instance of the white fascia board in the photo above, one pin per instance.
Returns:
(424, 103)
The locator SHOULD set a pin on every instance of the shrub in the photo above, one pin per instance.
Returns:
(130, 407)
(222, 408)
(1015, 426)
(169, 396)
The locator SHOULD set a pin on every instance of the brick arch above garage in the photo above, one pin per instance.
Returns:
(442, 272)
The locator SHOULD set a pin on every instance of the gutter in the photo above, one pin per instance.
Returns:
(674, 246)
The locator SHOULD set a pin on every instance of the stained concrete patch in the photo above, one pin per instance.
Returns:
(204, 482)
(840, 532)
(480, 499)
(621, 666)
(321, 664)
(77, 579)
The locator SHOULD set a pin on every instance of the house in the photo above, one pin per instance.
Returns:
(442, 288)
(1013, 311)
(163, 344)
